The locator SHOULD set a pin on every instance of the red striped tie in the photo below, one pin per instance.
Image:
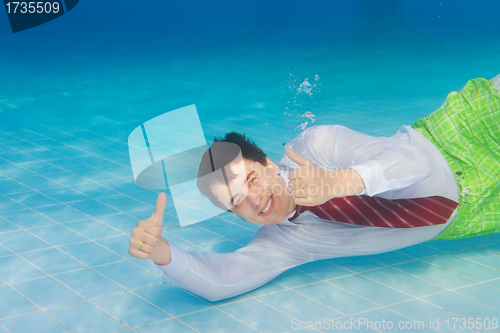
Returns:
(379, 212)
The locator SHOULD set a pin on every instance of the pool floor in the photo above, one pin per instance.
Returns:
(68, 200)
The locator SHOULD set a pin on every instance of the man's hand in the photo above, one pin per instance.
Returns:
(312, 185)
(146, 240)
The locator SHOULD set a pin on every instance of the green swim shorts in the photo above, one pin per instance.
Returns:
(466, 129)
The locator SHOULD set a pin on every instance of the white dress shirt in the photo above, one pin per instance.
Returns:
(405, 165)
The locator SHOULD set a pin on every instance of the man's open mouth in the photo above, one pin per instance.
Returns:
(269, 207)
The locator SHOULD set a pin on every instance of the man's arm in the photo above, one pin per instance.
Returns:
(214, 276)
(384, 164)
(313, 185)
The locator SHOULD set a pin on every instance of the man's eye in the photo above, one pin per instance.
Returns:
(252, 181)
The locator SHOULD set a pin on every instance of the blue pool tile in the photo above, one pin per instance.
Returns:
(19, 157)
(117, 244)
(170, 325)
(403, 281)
(27, 218)
(8, 186)
(46, 293)
(46, 155)
(4, 251)
(66, 178)
(124, 203)
(174, 301)
(93, 190)
(88, 283)
(484, 257)
(149, 197)
(121, 186)
(243, 241)
(41, 167)
(294, 278)
(57, 235)
(194, 234)
(64, 194)
(336, 298)
(268, 288)
(447, 245)
(8, 205)
(356, 264)
(252, 313)
(369, 289)
(425, 313)
(16, 269)
(464, 267)
(32, 199)
(52, 261)
(213, 320)
(492, 247)
(323, 270)
(69, 164)
(485, 293)
(480, 240)
(462, 305)
(21, 241)
(15, 171)
(33, 322)
(420, 251)
(93, 173)
(130, 309)
(122, 222)
(390, 258)
(92, 208)
(299, 307)
(61, 213)
(384, 320)
(13, 304)
(90, 253)
(128, 275)
(6, 226)
(85, 317)
(495, 283)
(37, 182)
(435, 274)
(92, 229)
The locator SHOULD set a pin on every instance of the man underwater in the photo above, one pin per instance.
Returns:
(451, 159)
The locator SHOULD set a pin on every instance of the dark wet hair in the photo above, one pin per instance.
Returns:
(218, 156)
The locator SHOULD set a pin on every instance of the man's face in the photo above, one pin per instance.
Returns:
(258, 194)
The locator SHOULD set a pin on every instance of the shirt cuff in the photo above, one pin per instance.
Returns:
(373, 177)
(178, 262)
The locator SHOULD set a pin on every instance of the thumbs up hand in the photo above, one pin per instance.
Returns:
(146, 240)
(311, 185)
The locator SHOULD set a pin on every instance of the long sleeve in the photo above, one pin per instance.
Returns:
(388, 166)
(217, 276)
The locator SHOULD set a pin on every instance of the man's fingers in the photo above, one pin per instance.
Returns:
(300, 160)
(298, 193)
(161, 203)
(146, 235)
(303, 201)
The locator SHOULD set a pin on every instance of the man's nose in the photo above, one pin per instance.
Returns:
(254, 197)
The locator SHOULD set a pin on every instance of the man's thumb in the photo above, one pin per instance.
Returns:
(300, 160)
(161, 203)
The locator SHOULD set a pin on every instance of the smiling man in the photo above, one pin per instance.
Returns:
(338, 192)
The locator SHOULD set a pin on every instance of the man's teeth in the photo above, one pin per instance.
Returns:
(267, 207)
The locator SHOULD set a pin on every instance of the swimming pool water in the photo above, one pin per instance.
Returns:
(68, 200)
